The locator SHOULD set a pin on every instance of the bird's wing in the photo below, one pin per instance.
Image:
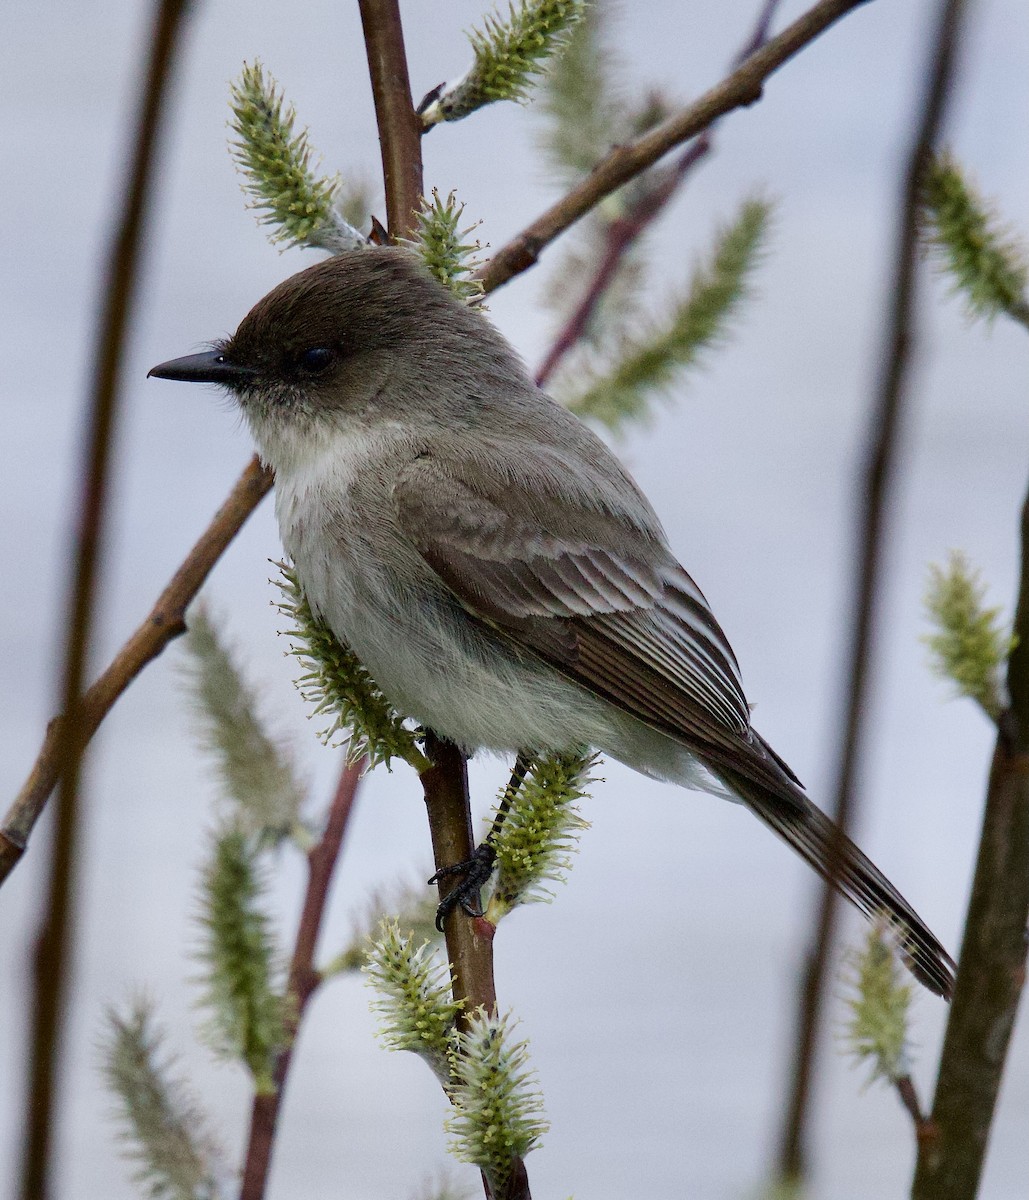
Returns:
(593, 593)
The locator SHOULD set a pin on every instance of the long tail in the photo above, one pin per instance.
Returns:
(835, 857)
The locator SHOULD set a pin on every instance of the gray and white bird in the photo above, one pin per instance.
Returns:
(489, 560)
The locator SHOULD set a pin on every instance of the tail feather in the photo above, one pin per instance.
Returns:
(836, 858)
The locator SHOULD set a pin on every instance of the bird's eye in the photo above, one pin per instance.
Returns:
(315, 360)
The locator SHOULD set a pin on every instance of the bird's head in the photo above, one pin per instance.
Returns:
(367, 335)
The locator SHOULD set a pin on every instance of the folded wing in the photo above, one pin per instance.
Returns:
(594, 591)
(598, 597)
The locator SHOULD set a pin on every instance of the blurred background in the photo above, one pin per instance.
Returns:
(658, 992)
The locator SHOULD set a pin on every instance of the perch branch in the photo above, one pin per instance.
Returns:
(469, 940)
(445, 783)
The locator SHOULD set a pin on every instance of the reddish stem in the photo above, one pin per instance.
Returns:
(400, 127)
(909, 1098)
(302, 982)
(621, 234)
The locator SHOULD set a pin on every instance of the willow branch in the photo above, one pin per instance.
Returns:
(469, 940)
(304, 979)
(740, 88)
(883, 436)
(445, 784)
(163, 624)
(991, 969)
(400, 127)
(53, 952)
(621, 234)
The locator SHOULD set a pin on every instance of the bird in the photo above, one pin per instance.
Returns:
(490, 561)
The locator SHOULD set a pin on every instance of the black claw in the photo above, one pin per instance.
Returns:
(476, 872)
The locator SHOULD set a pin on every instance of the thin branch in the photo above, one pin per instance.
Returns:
(469, 940)
(619, 237)
(53, 951)
(759, 34)
(885, 426)
(304, 979)
(990, 979)
(739, 89)
(163, 624)
(992, 966)
(908, 1094)
(623, 233)
(400, 127)
(446, 782)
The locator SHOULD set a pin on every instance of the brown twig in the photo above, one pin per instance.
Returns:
(469, 940)
(163, 624)
(53, 950)
(906, 1090)
(619, 237)
(992, 966)
(446, 782)
(884, 430)
(303, 980)
(740, 88)
(400, 127)
(621, 234)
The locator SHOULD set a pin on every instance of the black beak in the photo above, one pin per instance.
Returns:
(210, 367)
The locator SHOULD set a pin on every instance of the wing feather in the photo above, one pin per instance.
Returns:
(604, 602)
(633, 625)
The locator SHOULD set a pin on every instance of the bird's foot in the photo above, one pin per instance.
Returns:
(476, 872)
